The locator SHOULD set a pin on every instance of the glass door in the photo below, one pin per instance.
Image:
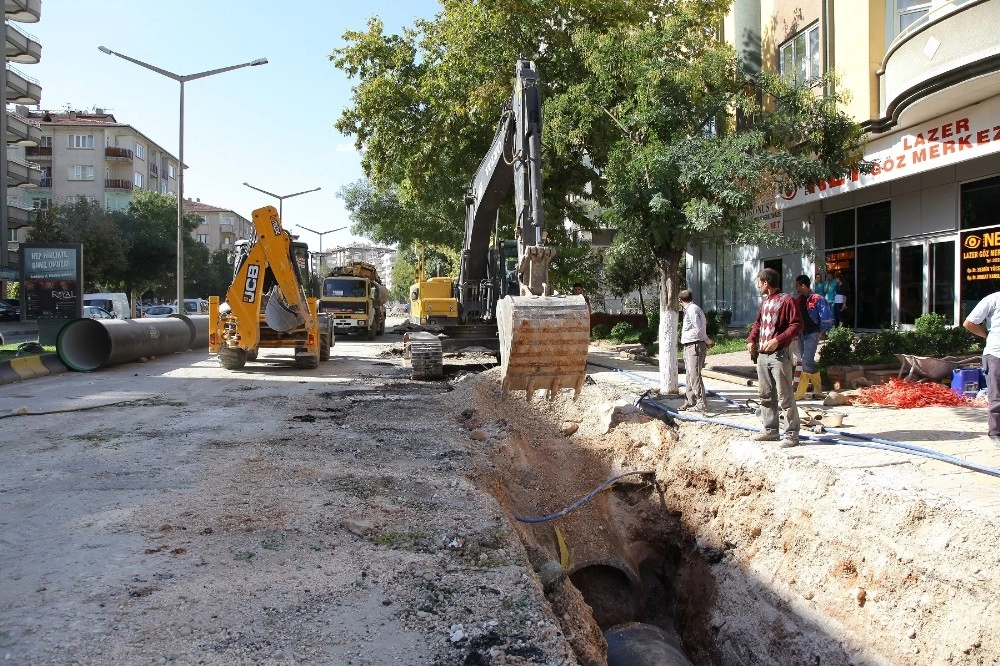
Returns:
(925, 279)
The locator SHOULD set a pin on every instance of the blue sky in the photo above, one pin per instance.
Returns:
(270, 126)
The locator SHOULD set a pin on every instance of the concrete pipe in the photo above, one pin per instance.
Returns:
(88, 344)
(198, 324)
(638, 644)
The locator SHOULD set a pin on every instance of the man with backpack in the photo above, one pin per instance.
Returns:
(815, 313)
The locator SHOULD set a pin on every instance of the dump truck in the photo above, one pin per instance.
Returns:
(354, 297)
(266, 305)
(502, 298)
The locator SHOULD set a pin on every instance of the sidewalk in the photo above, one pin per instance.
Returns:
(959, 432)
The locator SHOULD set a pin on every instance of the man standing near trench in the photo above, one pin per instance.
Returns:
(988, 309)
(777, 325)
(694, 338)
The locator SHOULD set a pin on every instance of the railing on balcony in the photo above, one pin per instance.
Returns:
(38, 151)
(45, 181)
(118, 184)
(118, 154)
(153, 170)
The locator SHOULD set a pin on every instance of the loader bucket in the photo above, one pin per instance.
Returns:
(543, 343)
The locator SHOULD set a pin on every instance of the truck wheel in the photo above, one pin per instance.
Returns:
(307, 362)
(381, 327)
(324, 347)
(232, 359)
(370, 331)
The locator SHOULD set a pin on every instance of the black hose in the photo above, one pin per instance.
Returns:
(583, 500)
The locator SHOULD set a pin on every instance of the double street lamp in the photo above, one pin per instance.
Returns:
(281, 197)
(320, 234)
(180, 157)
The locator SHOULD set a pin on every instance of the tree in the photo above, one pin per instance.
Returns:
(85, 222)
(150, 227)
(680, 168)
(628, 266)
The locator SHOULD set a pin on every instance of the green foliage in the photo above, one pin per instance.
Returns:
(600, 332)
(931, 337)
(404, 274)
(628, 266)
(717, 322)
(653, 318)
(623, 331)
(839, 347)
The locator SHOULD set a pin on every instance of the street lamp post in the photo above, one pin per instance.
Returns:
(180, 157)
(281, 197)
(320, 234)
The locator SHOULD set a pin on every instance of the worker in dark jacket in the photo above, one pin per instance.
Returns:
(777, 325)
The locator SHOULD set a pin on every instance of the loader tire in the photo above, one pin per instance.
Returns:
(232, 359)
(306, 362)
(324, 347)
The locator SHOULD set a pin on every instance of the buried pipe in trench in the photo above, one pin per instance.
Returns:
(88, 344)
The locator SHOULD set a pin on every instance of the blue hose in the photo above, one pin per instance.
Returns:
(866, 441)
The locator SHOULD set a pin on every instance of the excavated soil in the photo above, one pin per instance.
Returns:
(753, 554)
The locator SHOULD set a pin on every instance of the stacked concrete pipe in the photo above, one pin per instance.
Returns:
(88, 344)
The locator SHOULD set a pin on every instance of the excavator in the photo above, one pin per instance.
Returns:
(266, 304)
(502, 299)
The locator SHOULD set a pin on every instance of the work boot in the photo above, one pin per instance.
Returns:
(789, 440)
(765, 436)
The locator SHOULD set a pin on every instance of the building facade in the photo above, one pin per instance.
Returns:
(922, 233)
(220, 228)
(17, 130)
(344, 254)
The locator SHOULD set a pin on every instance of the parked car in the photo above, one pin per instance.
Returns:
(160, 311)
(9, 313)
(95, 312)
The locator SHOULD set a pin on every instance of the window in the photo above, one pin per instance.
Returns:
(138, 179)
(80, 172)
(81, 140)
(203, 239)
(45, 142)
(799, 57)
(163, 188)
(140, 151)
(41, 203)
(170, 170)
(12, 235)
(907, 12)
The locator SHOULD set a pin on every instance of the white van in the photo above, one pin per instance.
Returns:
(116, 304)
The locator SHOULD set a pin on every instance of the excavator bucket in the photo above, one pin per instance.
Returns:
(543, 343)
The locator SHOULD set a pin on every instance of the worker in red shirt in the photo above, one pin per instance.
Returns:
(777, 325)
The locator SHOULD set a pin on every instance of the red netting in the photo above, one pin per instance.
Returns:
(904, 395)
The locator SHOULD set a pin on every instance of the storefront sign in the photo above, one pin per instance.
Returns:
(53, 280)
(980, 256)
(961, 135)
(839, 260)
(767, 215)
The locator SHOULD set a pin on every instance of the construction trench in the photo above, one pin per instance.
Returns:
(673, 542)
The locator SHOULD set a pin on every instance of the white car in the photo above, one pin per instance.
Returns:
(160, 311)
(95, 312)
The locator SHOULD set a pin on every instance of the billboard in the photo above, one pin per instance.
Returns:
(52, 280)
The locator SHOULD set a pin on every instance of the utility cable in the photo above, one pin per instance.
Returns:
(583, 500)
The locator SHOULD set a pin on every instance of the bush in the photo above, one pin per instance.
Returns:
(622, 331)
(931, 337)
(653, 319)
(838, 349)
(717, 321)
(648, 337)
(600, 332)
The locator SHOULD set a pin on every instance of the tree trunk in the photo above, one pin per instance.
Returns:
(668, 263)
(642, 304)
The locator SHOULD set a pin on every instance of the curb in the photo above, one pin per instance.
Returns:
(30, 367)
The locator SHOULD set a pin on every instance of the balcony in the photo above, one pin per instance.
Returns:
(45, 181)
(22, 173)
(118, 184)
(118, 154)
(21, 88)
(38, 152)
(22, 131)
(18, 215)
(948, 59)
(153, 170)
(21, 47)
(22, 11)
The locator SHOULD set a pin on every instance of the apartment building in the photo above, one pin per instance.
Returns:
(922, 233)
(18, 131)
(344, 254)
(220, 228)
(90, 154)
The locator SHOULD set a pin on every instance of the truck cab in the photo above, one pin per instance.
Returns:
(354, 297)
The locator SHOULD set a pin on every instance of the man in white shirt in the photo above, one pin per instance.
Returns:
(694, 338)
(988, 311)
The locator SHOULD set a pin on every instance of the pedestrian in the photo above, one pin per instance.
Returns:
(777, 325)
(809, 338)
(694, 338)
(829, 292)
(840, 312)
(578, 291)
(988, 311)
